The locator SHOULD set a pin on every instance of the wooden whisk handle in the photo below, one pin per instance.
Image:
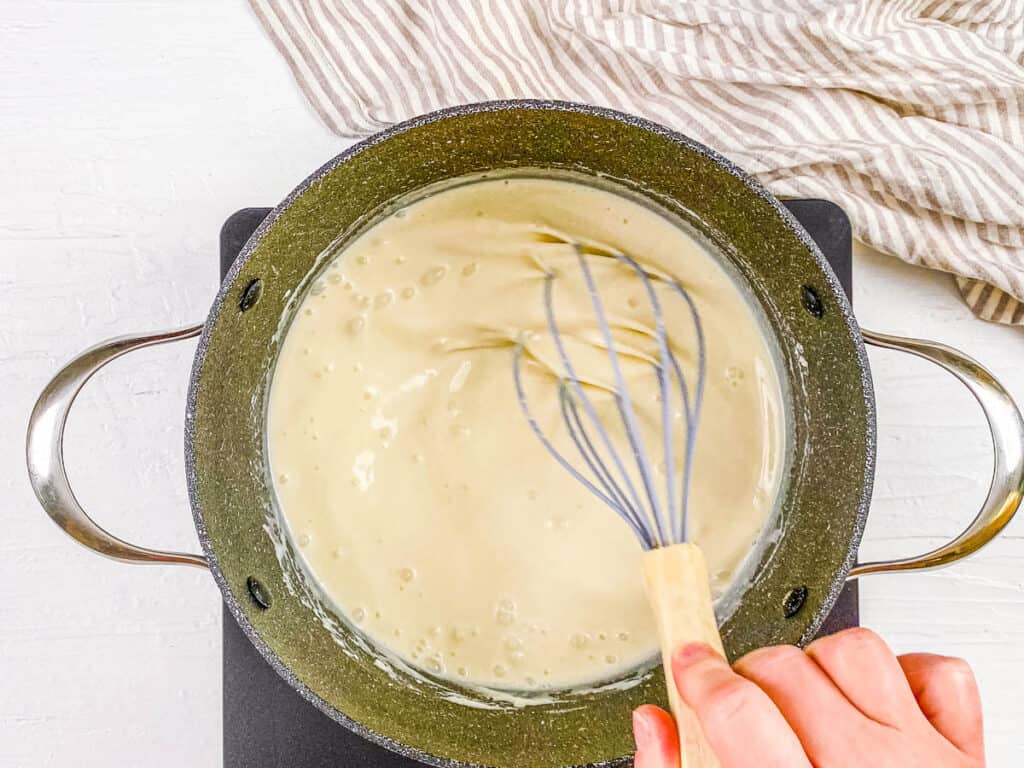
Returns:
(680, 594)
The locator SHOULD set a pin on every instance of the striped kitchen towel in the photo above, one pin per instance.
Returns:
(908, 113)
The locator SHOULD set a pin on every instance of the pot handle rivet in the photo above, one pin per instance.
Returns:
(44, 450)
(260, 595)
(794, 601)
(250, 294)
(812, 301)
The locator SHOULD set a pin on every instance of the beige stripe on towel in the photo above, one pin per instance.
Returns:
(909, 114)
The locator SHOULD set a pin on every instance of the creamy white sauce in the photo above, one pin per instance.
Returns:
(420, 501)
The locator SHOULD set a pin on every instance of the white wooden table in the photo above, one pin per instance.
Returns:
(128, 132)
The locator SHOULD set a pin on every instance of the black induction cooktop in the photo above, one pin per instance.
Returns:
(268, 725)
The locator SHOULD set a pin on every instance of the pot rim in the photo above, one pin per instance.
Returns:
(228, 283)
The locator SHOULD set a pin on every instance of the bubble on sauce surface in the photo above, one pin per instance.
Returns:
(283, 478)
(334, 278)
(458, 380)
(500, 670)
(358, 615)
(407, 574)
(304, 540)
(734, 376)
(578, 641)
(470, 269)
(505, 612)
(434, 275)
(384, 298)
(362, 259)
(513, 643)
(408, 292)
(624, 636)
(356, 324)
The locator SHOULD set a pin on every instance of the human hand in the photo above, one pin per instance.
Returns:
(845, 702)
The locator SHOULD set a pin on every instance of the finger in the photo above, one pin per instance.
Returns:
(947, 694)
(828, 725)
(861, 665)
(657, 740)
(739, 721)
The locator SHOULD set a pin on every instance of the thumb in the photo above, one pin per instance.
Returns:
(657, 740)
(740, 722)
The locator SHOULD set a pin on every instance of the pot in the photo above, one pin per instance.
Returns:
(796, 576)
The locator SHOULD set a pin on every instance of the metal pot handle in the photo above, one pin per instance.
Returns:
(44, 450)
(1007, 428)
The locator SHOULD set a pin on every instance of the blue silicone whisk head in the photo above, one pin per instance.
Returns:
(622, 475)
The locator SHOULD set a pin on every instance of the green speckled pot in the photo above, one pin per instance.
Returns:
(831, 414)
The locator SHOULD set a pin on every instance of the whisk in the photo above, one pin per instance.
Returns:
(675, 570)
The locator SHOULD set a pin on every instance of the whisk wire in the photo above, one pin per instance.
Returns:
(581, 394)
(517, 356)
(674, 518)
(692, 414)
(578, 433)
(625, 404)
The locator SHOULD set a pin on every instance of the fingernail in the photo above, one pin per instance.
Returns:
(690, 654)
(642, 731)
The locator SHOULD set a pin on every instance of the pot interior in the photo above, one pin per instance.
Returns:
(796, 574)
